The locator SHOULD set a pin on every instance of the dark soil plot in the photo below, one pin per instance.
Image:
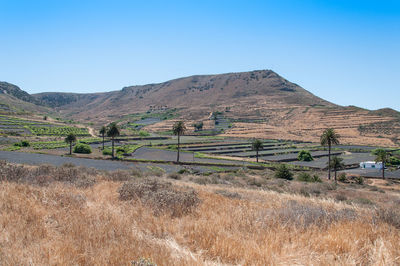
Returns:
(46, 125)
(164, 155)
(252, 154)
(350, 147)
(227, 146)
(10, 126)
(220, 148)
(15, 130)
(373, 173)
(293, 156)
(249, 149)
(7, 140)
(106, 143)
(356, 158)
(147, 121)
(348, 159)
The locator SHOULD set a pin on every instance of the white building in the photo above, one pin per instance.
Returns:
(371, 165)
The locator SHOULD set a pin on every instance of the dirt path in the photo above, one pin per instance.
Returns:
(92, 131)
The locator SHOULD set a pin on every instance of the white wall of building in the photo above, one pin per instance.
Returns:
(371, 165)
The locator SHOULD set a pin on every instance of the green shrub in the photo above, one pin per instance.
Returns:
(144, 133)
(23, 143)
(82, 148)
(143, 262)
(359, 180)
(342, 177)
(282, 171)
(305, 156)
(107, 151)
(172, 147)
(120, 149)
(394, 160)
(306, 177)
(316, 179)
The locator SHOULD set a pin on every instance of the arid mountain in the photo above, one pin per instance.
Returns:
(197, 95)
(256, 104)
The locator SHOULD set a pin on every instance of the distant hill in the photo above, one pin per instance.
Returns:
(200, 94)
(255, 104)
(15, 100)
(13, 90)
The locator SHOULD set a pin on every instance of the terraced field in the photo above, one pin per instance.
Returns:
(290, 157)
(285, 151)
(22, 126)
(360, 127)
(147, 153)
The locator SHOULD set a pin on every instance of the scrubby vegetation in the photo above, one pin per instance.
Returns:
(306, 177)
(283, 172)
(161, 196)
(84, 216)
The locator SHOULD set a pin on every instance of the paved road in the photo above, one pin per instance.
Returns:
(38, 159)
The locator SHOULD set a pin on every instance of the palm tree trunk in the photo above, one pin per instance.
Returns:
(70, 148)
(383, 170)
(112, 141)
(257, 155)
(329, 161)
(177, 158)
(103, 141)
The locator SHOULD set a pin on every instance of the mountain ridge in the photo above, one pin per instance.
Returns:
(258, 104)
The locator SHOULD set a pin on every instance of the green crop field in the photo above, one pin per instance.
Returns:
(58, 131)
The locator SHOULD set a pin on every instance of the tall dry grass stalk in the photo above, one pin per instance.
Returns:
(63, 224)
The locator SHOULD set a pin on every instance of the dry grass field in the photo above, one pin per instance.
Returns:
(79, 216)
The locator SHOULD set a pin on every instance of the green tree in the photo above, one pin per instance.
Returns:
(198, 126)
(71, 138)
(112, 132)
(103, 132)
(383, 157)
(336, 163)
(305, 156)
(179, 129)
(282, 171)
(257, 146)
(328, 138)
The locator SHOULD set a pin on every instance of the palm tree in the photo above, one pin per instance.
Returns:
(329, 137)
(70, 139)
(179, 129)
(103, 132)
(112, 132)
(381, 156)
(256, 146)
(336, 163)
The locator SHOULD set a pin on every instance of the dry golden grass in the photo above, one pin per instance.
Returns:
(63, 224)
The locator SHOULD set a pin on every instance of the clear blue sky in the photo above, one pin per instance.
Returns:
(345, 51)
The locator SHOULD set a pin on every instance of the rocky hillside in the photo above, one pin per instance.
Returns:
(15, 100)
(12, 90)
(196, 95)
